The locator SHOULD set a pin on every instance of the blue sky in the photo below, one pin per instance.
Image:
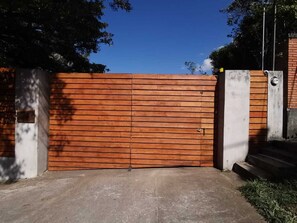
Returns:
(158, 36)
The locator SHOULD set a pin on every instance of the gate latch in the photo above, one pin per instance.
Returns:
(201, 130)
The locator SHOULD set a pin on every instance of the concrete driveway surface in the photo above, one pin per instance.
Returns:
(142, 195)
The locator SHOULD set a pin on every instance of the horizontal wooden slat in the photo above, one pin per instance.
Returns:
(258, 91)
(175, 88)
(65, 92)
(92, 86)
(171, 146)
(56, 165)
(173, 98)
(172, 114)
(258, 126)
(206, 163)
(89, 139)
(57, 97)
(172, 109)
(259, 85)
(258, 120)
(166, 125)
(90, 160)
(62, 127)
(165, 162)
(102, 81)
(91, 133)
(91, 118)
(79, 112)
(91, 76)
(87, 149)
(166, 141)
(174, 82)
(95, 102)
(167, 119)
(258, 102)
(92, 107)
(258, 96)
(166, 103)
(90, 123)
(166, 157)
(61, 144)
(53, 154)
(258, 108)
(173, 77)
(166, 151)
(173, 93)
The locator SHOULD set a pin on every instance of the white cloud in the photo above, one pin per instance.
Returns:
(220, 47)
(206, 65)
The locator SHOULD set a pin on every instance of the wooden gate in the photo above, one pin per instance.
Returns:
(172, 120)
(124, 120)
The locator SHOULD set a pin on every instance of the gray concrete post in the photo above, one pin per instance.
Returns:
(32, 123)
(233, 119)
(275, 105)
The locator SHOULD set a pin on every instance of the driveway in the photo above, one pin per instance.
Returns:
(142, 195)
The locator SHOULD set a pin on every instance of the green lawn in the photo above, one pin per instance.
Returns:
(276, 201)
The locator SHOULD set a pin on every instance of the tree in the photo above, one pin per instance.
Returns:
(191, 66)
(54, 35)
(194, 67)
(245, 16)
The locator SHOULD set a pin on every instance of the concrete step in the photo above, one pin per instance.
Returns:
(250, 172)
(274, 166)
(285, 145)
(280, 154)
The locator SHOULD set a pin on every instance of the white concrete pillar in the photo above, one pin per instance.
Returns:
(233, 118)
(275, 105)
(31, 134)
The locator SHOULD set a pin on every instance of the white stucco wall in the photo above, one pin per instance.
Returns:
(275, 106)
(32, 93)
(234, 107)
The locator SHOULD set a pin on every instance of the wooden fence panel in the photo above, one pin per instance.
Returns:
(7, 113)
(90, 121)
(167, 111)
(258, 110)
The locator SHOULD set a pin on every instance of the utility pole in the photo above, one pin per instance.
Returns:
(274, 35)
(263, 34)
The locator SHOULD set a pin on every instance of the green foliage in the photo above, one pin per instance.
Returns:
(54, 35)
(246, 18)
(276, 201)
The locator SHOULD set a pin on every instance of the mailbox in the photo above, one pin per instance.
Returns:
(25, 116)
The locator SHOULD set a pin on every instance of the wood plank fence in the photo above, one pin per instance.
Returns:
(125, 120)
(258, 110)
(7, 112)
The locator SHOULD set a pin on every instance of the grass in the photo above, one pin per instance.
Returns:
(275, 201)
